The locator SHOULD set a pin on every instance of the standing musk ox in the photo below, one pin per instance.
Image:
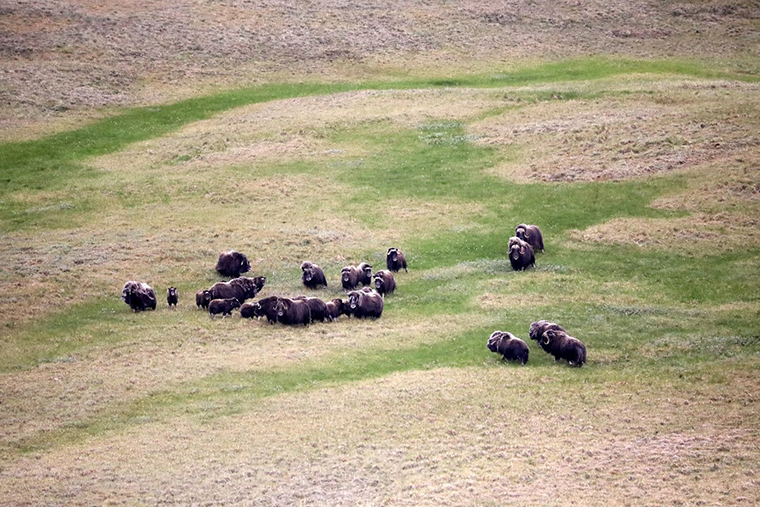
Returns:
(349, 278)
(365, 273)
(223, 306)
(335, 308)
(313, 276)
(531, 234)
(521, 254)
(293, 312)
(139, 296)
(317, 307)
(265, 307)
(232, 264)
(202, 299)
(241, 288)
(384, 282)
(509, 346)
(563, 346)
(364, 304)
(172, 297)
(539, 327)
(395, 260)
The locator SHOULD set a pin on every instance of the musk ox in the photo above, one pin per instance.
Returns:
(349, 278)
(223, 306)
(521, 255)
(363, 304)
(509, 346)
(563, 346)
(232, 264)
(365, 273)
(317, 307)
(139, 296)
(241, 288)
(384, 282)
(539, 327)
(313, 276)
(202, 299)
(335, 308)
(531, 234)
(395, 260)
(293, 312)
(247, 311)
(265, 307)
(172, 296)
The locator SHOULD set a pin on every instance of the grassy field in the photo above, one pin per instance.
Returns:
(642, 174)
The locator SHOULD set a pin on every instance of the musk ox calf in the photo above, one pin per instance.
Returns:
(532, 235)
(364, 304)
(395, 260)
(232, 264)
(521, 254)
(563, 346)
(313, 276)
(223, 306)
(202, 299)
(365, 273)
(293, 312)
(384, 282)
(335, 308)
(139, 296)
(266, 307)
(241, 288)
(509, 346)
(317, 307)
(172, 296)
(349, 278)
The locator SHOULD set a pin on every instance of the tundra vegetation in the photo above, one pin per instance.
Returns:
(641, 173)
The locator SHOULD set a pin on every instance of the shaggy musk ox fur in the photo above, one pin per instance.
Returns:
(532, 235)
(335, 308)
(563, 346)
(384, 282)
(241, 288)
(139, 296)
(509, 346)
(395, 260)
(313, 276)
(521, 254)
(317, 307)
(202, 299)
(223, 306)
(365, 273)
(538, 328)
(349, 277)
(364, 304)
(232, 263)
(266, 307)
(293, 312)
(172, 297)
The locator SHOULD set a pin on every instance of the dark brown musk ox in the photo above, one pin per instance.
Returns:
(364, 304)
(365, 273)
(265, 307)
(241, 288)
(223, 306)
(172, 297)
(139, 296)
(531, 234)
(232, 264)
(317, 306)
(538, 328)
(335, 308)
(202, 299)
(563, 347)
(521, 254)
(509, 346)
(395, 260)
(313, 276)
(384, 282)
(293, 312)
(349, 278)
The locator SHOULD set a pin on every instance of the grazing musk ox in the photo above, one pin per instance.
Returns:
(202, 299)
(509, 346)
(395, 260)
(223, 306)
(317, 307)
(384, 282)
(365, 273)
(293, 312)
(364, 304)
(172, 297)
(349, 277)
(241, 288)
(563, 346)
(313, 276)
(232, 264)
(531, 234)
(335, 308)
(521, 254)
(139, 296)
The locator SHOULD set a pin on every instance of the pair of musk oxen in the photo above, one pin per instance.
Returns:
(522, 247)
(550, 336)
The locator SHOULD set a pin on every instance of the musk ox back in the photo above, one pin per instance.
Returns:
(538, 328)
(363, 304)
(349, 277)
(313, 276)
(563, 346)
(293, 312)
(384, 282)
(241, 288)
(223, 306)
(139, 296)
(520, 254)
(202, 299)
(365, 273)
(395, 260)
(532, 235)
(317, 307)
(509, 346)
(232, 264)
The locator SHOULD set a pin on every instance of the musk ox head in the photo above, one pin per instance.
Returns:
(392, 254)
(308, 270)
(493, 341)
(353, 299)
(520, 231)
(345, 273)
(517, 247)
(365, 273)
